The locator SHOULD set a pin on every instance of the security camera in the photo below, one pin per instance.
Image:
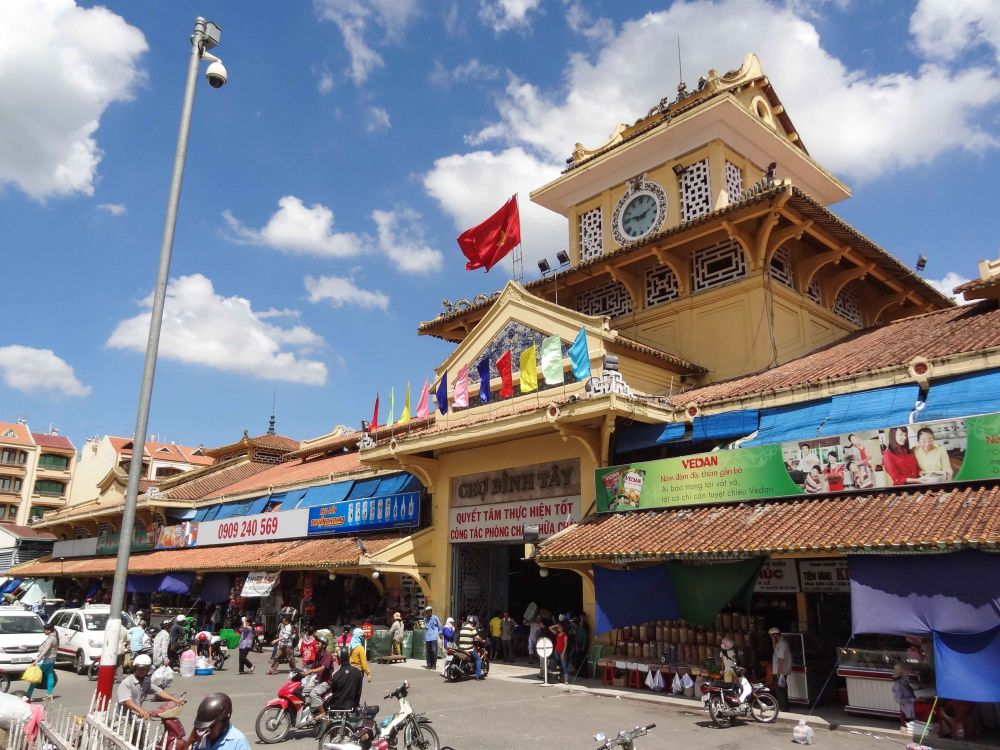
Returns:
(216, 73)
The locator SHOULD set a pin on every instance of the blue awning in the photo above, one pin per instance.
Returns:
(412, 484)
(639, 436)
(782, 424)
(975, 393)
(364, 488)
(212, 513)
(323, 495)
(730, 424)
(258, 504)
(201, 513)
(392, 485)
(10, 586)
(182, 515)
(232, 510)
(871, 410)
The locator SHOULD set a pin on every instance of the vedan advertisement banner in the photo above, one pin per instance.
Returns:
(904, 455)
(392, 512)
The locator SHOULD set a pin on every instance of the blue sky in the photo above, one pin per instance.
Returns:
(326, 183)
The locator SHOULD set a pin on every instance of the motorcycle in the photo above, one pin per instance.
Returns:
(625, 739)
(221, 655)
(725, 701)
(415, 728)
(288, 713)
(459, 663)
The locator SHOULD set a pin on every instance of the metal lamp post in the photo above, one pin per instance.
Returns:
(206, 36)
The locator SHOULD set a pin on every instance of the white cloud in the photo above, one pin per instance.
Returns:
(354, 18)
(324, 80)
(944, 29)
(400, 237)
(299, 230)
(225, 333)
(378, 120)
(471, 187)
(471, 70)
(26, 369)
(60, 68)
(340, 291)
(580, 21)
(946, 284)
(115, 209)
(504, 15)
(862, 126)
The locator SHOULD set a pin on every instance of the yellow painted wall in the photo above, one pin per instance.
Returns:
(509, 454)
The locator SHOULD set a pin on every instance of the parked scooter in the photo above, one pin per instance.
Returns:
(725, 701)
(414, 728)
(459, 663)
(625, 739)
(289, 713)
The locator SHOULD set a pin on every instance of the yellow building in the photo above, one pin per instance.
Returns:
(36, 472)
(701, 249)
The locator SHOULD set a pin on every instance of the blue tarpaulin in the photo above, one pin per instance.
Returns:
(729, 424)
(782, 424)
(232, 510)
(257, 505)
(391, 485)
(322, 495)
(176, 583)
(977, 393)
(871, 410)
(952, 597)
(10, 585)
(627, 597)
(965, 666)
(641, 436)
(363, 488)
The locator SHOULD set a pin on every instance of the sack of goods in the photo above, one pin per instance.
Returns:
(677, 686)
(688, 684)
(32, 675)
(162, 677)
(803, 733)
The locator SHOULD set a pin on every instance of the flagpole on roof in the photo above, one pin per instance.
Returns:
(518, 255)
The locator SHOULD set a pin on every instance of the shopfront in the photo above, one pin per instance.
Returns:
(492, 516)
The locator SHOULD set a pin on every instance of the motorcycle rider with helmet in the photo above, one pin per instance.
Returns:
(213, 729)
(346, 684)
(138, 686)
(322, 667)
(468, 640)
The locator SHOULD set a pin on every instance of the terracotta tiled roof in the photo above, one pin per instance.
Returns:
(350, 439)
(307, 554)
(26, 532)
(21, 434)
(291, 472)
(208, 483)
(162, 451)
(943, 333)
(53, 441)
(952, 517)
(270, 442)
(977, 284)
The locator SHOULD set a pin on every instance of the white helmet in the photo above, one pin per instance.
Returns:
(181, 618)
(141, 661)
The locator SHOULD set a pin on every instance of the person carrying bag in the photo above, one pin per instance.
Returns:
(44, 668)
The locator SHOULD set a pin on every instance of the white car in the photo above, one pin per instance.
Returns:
(81, 634)
(20, 636)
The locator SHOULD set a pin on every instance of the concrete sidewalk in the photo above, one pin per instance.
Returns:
(828, 717)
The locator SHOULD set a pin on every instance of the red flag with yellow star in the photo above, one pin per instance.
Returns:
(485, 244)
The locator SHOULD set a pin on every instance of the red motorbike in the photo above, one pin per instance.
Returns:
(258, 638)
(289, 713)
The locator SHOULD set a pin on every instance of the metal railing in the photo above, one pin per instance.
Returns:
(103, 728)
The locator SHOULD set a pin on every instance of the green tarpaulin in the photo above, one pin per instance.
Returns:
(703, 590)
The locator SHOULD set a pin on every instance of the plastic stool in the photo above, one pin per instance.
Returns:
(607, 673)
(635, 678)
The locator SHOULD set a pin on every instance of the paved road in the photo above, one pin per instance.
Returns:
(502, 713)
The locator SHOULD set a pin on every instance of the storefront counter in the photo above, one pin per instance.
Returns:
(868, 674)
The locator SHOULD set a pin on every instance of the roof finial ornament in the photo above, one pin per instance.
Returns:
(270, 425)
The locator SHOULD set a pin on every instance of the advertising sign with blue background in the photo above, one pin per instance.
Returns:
(369, 514)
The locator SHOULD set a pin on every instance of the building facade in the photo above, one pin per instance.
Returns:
(36, 472)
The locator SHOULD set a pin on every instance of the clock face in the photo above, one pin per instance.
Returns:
(640, 215)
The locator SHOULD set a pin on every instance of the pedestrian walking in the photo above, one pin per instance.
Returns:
(245, 644)
(781, 666)
(507, 625)
(46, 661)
